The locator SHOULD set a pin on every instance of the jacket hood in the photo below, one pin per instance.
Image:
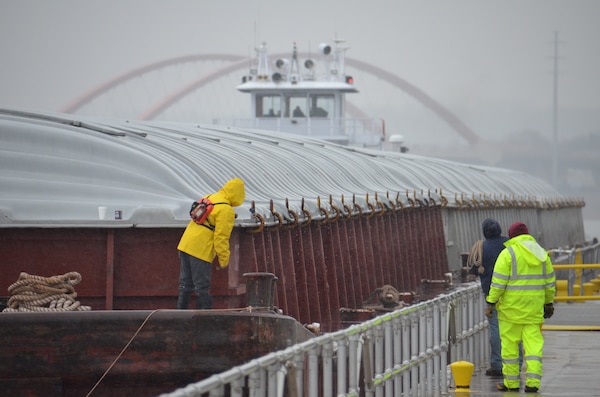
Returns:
(531, 248)
(491, 228)
(234, 191)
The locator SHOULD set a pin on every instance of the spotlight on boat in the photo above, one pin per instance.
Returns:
(324, 48)
(281, 63)
(309, 64)
(276, 77)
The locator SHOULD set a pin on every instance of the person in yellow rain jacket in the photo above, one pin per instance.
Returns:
(522, 290)
(200, 244)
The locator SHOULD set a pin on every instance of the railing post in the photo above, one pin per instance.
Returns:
(398, 355)
(313, 372)
(471, 332)
(444, 343)
(414, 351)
(389, 346)
(367, 360)
(379, 359)
(327, 355)
(429, 347)
(422, 348)
(342, 367)
(272, 378)
(436, 348)
(255, 384)
(406, 355)
(299, 365)
(353, 364)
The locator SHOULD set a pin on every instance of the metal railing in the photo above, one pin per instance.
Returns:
(577, 266)
(401, 353)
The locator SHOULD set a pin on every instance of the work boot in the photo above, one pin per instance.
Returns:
(183, 301)
(493, 372)
(203, 301)
(502, 387)
(531, 389)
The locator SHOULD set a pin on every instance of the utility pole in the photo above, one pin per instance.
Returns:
(555, 116)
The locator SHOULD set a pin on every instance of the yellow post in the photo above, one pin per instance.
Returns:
(577, 291)
(462, 371)
(588, 289)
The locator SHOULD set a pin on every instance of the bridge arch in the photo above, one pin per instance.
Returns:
(238, 62)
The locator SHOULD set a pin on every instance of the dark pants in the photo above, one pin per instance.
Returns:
(194, 274)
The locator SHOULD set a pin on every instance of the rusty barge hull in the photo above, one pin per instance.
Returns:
(132, 352)
(321, 268)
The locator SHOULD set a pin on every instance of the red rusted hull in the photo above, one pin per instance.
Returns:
(67, 353)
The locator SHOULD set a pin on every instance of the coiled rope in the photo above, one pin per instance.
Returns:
(475, 257)
(45, 294)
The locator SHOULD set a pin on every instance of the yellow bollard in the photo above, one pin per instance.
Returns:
(588, 289)
(562, 287)
(462, 371)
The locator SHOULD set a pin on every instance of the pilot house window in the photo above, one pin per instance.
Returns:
(268, 106)
(321, 106)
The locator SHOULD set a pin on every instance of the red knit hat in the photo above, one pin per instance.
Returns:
(516, 229)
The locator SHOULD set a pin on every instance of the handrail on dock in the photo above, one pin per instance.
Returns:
(405, 352)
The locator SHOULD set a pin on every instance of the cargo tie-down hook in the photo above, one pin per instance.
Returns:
(356, 206)
(379, 204)
(292, 213)
(371, 208)
(347, 208)
(392, 203)
(323, 212)
(306, 213)
(399, 203)
(335, 208)
(277, 215)
(258, 216)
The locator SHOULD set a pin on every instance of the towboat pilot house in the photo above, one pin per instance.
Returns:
(307, 98)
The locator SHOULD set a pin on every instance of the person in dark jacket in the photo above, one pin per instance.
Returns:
(484, 268)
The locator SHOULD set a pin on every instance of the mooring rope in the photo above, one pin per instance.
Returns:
(110, 367)
(45, 294)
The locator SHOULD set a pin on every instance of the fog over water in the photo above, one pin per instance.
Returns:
(491, 63)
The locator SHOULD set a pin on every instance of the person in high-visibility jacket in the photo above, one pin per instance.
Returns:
(522, 290)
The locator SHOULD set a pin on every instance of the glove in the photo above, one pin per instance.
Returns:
(489, 310)
(548, 310)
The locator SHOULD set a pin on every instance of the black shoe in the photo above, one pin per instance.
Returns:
(493, 372)
(531, 389)
(502, 387)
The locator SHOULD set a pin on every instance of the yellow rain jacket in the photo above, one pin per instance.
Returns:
(202, 242)
(523, 281)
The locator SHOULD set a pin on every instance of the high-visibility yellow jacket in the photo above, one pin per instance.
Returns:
(523, 281)
(204, 243)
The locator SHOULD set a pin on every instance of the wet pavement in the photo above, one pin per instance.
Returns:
(571, 362)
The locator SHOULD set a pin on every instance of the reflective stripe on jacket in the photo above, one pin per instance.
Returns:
(523, 281)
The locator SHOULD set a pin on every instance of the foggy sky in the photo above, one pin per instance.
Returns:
(489, 62)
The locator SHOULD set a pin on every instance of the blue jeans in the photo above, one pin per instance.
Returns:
(496, 345)
(194, 274)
